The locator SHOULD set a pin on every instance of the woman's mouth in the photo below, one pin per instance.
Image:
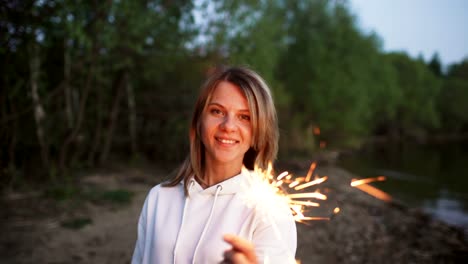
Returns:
(226, 140)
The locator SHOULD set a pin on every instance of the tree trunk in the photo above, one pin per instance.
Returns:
(66, 83)
(39, 113)
(98, 132)
(8, 138)
(132, 117)
(113, 117)
(79, 119)
(11, 160)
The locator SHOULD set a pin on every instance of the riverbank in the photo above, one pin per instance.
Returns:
(367, 230)
(427, 176)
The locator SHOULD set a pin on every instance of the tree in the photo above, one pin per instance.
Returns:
(435, 66)
(453, 97)
(327, 70)
(419, 88)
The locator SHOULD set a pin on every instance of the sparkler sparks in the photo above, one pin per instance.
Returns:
(267, 193)
(365, 187)
(355, 182)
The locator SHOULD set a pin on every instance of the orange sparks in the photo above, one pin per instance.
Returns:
(316, 130)
(306, 203)
(314, 218)
(323, 144)
(311, 171)
(314, 182)
(365, 187)
(315, 195)
(336, 210)
(282, 175)
(355, 182)
(268, 189)
(293, 184)
(374, 192)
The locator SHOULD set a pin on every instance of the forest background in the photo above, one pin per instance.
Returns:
(84, 83)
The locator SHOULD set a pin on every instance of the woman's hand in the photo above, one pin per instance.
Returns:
(242, 251)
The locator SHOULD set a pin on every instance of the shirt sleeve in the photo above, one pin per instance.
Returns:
(137, 257)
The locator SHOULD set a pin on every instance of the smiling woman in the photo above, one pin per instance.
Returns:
(226, 132)
(200, 216)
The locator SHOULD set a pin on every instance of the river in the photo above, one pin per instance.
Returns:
(433, 177)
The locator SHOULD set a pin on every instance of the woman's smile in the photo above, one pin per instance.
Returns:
(227, 141)
(226, 129)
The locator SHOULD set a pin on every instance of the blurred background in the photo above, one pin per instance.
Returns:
(376, 87)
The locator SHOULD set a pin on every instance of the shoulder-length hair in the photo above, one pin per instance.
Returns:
(262, 115)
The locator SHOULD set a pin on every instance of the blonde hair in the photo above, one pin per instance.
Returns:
(263, 119)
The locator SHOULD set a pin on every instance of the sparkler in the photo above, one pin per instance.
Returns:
(267, 192)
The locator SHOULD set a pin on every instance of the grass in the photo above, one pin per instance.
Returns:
(75, 198)
(119, 196)
(63, 193)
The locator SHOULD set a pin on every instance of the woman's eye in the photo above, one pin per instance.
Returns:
(216, 111)
(245, 117)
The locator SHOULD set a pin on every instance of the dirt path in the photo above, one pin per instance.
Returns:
(34, 234)
(366, 230)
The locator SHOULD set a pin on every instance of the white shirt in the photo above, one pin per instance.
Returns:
(176, 229)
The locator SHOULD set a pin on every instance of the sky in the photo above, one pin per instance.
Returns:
(418, 27)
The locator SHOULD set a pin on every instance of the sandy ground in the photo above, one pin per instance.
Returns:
(33, 233)
(366, 230)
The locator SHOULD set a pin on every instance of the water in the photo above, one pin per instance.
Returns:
(433, 177)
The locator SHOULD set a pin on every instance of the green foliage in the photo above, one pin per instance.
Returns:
(435, 65)
(327, 70)
(120, 77)
(453, 97)
(419, 90)
(459, 70)
(453, 104)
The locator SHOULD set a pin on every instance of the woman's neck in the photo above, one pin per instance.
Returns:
(216, 173)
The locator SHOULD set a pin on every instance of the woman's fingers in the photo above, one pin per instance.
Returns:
(240, 244)
(235, 257)
(242, 250)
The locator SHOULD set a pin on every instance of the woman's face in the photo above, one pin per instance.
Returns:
(226, 130)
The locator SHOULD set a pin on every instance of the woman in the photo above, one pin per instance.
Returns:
(234, 126)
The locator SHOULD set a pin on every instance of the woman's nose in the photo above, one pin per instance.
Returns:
(228, 123)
